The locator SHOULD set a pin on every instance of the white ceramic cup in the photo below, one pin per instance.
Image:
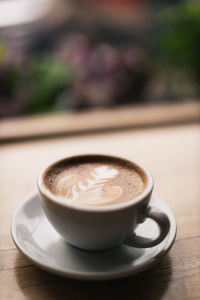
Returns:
(103, 227)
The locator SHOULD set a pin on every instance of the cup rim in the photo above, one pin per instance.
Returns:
(87, 208)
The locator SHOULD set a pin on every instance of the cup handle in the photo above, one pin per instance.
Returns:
(163, 222)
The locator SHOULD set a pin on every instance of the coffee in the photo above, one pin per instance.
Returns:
(95, 180)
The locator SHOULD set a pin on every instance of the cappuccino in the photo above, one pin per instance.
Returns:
(95, 180)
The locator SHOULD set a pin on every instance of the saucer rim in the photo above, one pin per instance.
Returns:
(96, 276)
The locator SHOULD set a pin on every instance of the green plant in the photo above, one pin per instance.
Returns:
(2, 50)
(180, 37)
(47, 78)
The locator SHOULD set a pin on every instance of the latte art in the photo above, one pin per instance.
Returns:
(91, 191)
(94, 180)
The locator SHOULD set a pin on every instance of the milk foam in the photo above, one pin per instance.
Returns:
(93, 190)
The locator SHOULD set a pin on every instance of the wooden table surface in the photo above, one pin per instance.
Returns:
(172, 154)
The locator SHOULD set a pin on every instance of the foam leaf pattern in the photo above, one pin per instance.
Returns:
(92, 191)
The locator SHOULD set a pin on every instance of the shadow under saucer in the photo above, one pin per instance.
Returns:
(149, 284)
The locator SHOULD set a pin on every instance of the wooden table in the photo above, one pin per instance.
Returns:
(172, 154)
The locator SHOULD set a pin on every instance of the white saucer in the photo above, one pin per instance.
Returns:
(37, 239)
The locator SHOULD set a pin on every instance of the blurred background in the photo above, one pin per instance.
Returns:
(62, 55)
